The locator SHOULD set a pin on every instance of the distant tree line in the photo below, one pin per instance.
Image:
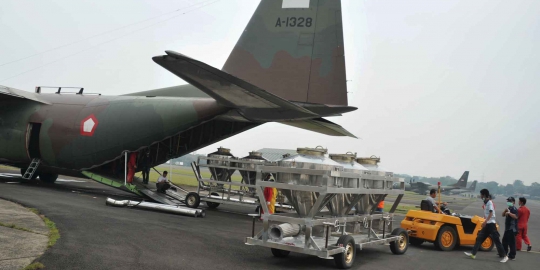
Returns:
(517, 188)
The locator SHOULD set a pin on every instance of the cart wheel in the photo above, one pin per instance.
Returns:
(346, 259)
(280, 253)
(416, 241)
(487, 245)
(193, 200)
(213, 205)
(401, 245)
(446, 239)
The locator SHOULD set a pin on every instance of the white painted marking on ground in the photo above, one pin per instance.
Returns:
(12, 182)
(67, 180)
(9, 175)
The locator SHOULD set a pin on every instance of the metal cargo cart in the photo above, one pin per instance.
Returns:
(334, 209)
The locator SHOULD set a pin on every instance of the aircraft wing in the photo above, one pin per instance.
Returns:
(7, 93)
(252, 102)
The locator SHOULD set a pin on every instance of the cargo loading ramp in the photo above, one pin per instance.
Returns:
(149, 191)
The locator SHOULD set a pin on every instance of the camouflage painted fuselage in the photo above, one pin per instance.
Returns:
(288, 67)
(118, 124)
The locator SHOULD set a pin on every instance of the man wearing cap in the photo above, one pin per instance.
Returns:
(510, 225)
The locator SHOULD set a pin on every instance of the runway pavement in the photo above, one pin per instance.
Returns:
(96, 236)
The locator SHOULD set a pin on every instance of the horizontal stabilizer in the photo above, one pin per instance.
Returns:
(252, 102)
(320, 125)
(7, 92)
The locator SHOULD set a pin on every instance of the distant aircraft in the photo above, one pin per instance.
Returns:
(287, 67)
(423, 188)
(470, 189)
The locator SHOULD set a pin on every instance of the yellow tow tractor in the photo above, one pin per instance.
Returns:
(443, 230)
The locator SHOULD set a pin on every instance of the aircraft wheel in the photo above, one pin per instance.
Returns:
(49, 178)
(487, 245)
(446, 238)
(280, 253)
(416, 241)
(346, 259)
(400, 246)
(193, 200)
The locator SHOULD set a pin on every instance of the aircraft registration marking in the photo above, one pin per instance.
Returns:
(294, 22)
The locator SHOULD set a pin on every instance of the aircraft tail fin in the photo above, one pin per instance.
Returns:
(462, 182)
(473, 186)
(294, 49)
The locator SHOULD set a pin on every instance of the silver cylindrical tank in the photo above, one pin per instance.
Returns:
(341, 204)
(307, 158)
(226, 159)
(368, 202)
(248, 175)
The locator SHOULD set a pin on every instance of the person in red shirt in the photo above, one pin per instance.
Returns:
(132, 165)
(523, 219)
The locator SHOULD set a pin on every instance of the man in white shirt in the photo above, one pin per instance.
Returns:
(163, 183)
(489, 229)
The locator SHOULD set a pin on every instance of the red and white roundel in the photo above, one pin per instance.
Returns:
(89, 125)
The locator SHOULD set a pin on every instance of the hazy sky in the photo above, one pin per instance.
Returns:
(441, 86)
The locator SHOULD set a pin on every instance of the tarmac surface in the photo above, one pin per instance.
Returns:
(96, 236)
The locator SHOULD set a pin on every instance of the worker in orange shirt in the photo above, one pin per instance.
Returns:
(380, 206)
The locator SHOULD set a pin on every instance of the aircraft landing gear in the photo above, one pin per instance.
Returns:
(48, 178)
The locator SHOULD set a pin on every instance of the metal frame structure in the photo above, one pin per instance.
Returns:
(325, 246)
(229, 191)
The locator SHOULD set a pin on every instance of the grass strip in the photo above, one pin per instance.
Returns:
(34, 266)
(54, 234)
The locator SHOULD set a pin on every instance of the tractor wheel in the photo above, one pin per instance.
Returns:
(48, 178)
(193, 200)
(416, 241)
(400, 246)
(346, 259)
(487, 245)
(446, 238)
(279, 253)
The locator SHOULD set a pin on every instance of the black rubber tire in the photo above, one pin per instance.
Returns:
(193, 200)
(23, 171)
(279, 253)
(213, 205)
(400, 247)
(438, 241)
(48, 178)
(416, 241)
(490, 247)
(342, 260)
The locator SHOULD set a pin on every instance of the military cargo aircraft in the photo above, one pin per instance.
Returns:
(423, 188)
(470, 189)
(288, 67)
